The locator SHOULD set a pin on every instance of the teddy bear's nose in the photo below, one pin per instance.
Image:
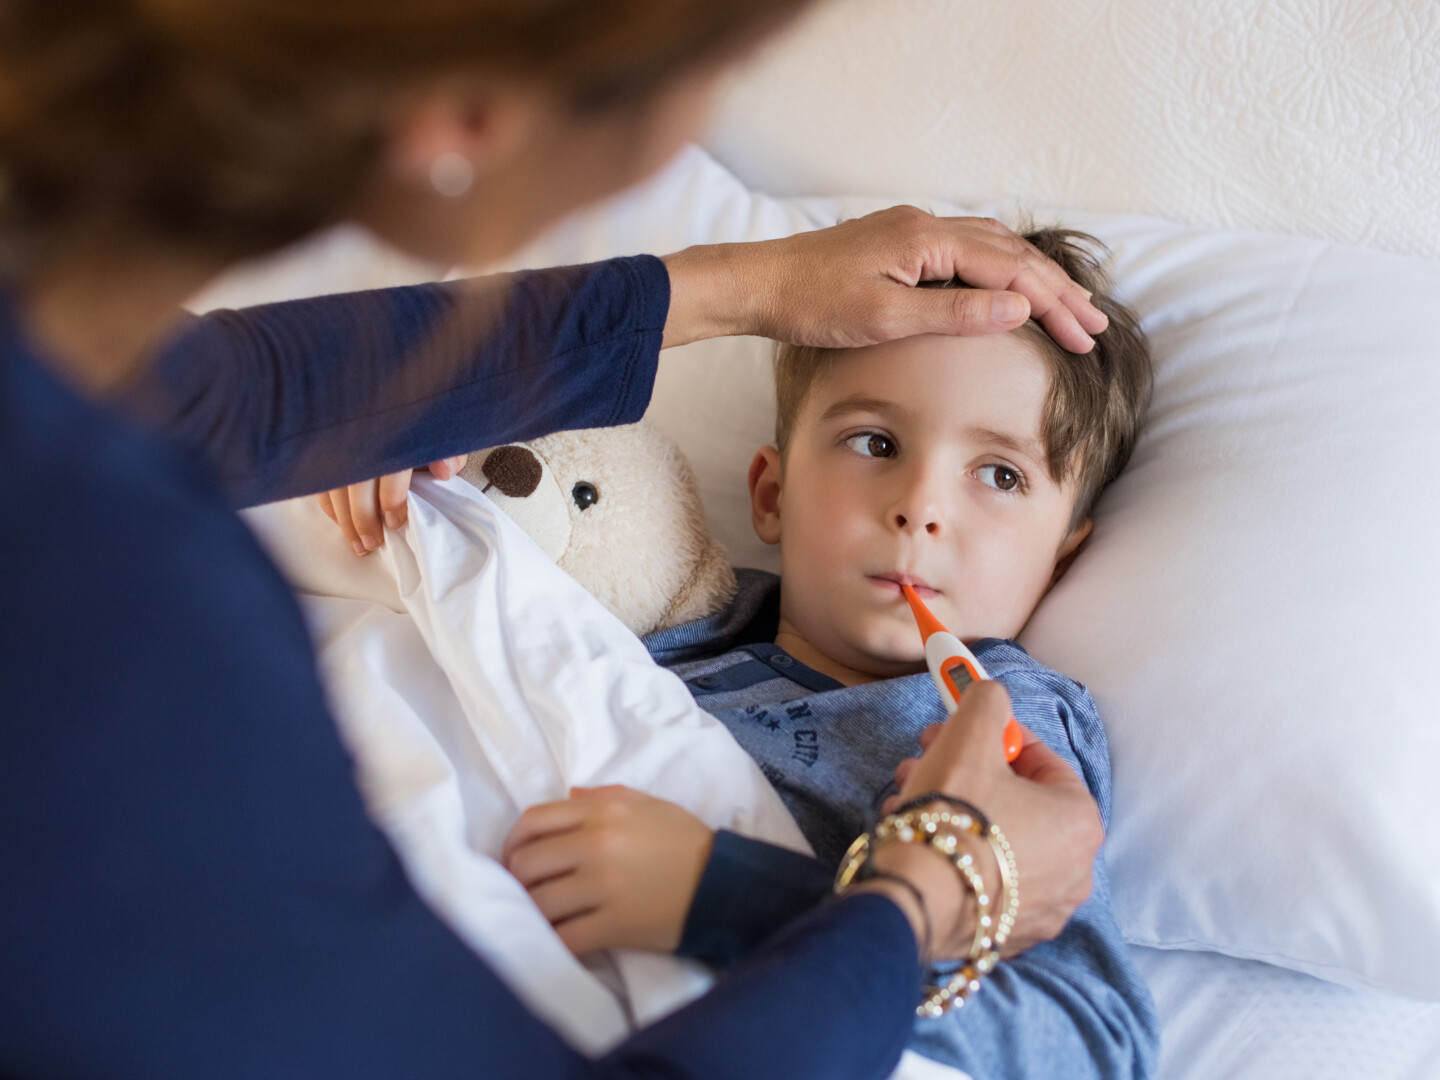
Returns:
(512, 469)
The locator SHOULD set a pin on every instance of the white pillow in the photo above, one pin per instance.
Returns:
(1258, 613)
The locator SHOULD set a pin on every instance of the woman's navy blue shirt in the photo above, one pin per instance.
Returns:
(190, 885)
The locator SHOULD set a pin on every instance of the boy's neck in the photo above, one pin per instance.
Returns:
(789, 639)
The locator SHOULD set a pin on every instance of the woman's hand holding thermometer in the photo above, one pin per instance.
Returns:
(954, 667)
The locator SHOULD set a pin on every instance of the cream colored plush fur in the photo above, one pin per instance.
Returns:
(619, 510)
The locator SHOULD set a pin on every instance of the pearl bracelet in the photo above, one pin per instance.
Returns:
(942, 830)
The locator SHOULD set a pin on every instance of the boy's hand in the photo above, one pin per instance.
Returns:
(361, 508)
(611, 867)
(852, 285)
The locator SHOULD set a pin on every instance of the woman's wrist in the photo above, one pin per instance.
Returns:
(710, 293)
(949, 911)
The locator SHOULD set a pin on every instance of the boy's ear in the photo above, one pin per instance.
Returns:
(765, 478)
(1071, 548)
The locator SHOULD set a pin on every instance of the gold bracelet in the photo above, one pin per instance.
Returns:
(928, 823)
(933, 828)
(1009, 884)
(952, 993)
(940, 998)
(925, 826)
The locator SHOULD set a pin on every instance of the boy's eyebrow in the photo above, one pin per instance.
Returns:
(1031, 448)
(859, 403)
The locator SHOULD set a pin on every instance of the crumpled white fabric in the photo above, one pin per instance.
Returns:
(472, 679)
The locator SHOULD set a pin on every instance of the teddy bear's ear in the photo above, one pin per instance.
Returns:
(710, 587)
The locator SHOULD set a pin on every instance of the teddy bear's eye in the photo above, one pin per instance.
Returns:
(585, 495)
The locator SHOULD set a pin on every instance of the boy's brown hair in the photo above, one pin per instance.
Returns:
(1096, 399)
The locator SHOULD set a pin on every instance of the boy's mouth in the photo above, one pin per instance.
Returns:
(892, 583)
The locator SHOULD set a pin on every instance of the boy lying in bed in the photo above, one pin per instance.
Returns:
(966, 467)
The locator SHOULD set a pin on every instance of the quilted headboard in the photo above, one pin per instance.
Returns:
(1308, 117)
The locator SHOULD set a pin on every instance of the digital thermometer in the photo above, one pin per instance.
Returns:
(954, 667)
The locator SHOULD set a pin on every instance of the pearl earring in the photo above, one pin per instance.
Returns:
(451, 174)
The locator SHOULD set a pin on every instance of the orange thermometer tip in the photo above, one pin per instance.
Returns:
(929, 624)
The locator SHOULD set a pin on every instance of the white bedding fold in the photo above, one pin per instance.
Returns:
(473, 678)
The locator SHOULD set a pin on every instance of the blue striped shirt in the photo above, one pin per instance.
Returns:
(1070, 1008)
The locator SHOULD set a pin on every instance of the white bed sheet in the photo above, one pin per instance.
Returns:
(1229, 1019)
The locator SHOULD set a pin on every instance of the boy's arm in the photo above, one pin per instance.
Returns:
(614, 867)
(303, 396)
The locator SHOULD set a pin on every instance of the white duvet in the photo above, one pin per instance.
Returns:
(473, 678)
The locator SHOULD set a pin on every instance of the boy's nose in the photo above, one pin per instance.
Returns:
(929, 522)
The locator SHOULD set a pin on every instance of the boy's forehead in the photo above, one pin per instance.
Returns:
(1008, 374)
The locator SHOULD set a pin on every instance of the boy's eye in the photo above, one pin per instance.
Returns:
(1000, 477)
(871, 444)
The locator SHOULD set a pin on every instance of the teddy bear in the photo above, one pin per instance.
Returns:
(619, 510)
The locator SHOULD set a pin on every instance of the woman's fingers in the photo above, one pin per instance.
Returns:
(626, 861)
(1007, 271)
(930, 734)
(1041, 765)
(968, 753)
(1036, 275)
(903, 771)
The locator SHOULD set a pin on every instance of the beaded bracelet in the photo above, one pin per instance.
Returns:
(1004, 856)
(925, 826)
(1009, 883)
(911, 824)
(932, 797)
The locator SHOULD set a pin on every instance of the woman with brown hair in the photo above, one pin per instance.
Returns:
(191, 887)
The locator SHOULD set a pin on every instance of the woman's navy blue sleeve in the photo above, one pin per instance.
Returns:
(303, 396)
(832, 968)
(191, 885)
(748, 891)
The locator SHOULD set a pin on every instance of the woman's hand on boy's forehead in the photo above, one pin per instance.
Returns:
(853, 284)
(1012, 263)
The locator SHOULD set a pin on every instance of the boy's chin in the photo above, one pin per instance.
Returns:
(886, 660)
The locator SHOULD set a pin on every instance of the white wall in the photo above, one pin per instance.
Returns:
(1314, 117)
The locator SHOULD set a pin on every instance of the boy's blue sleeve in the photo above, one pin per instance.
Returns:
(1074, 1007)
